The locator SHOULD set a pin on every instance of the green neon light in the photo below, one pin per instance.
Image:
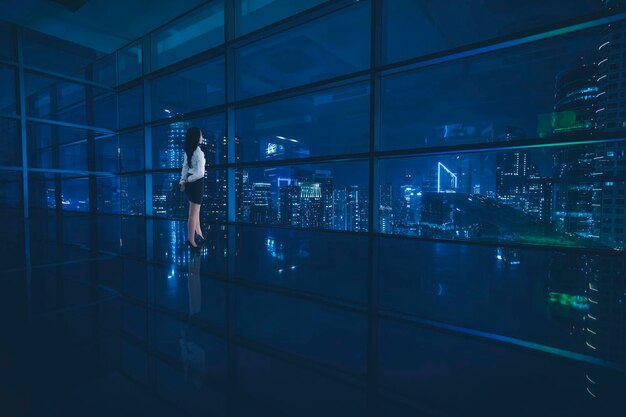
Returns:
(579, 302)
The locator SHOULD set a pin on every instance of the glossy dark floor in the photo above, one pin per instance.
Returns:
(113, 316)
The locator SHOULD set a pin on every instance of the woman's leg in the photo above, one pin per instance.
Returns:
(198, 228)
(194, 210)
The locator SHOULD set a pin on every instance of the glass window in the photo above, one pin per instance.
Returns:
(545, 89)
(413, 28)
(132, 194)
(10, 143)
(334, 121)
(214, 205)
(67, 102)
(8, 100)
(483, 282)
(132, 152)
(107, 157)
(42, 190)
(322, 196)
(7, 41)
(75, 194)
(105, 71)
(58, 147)
(169, 201)
(251, 15)
(10, 189)
(543, 196)
(194, 33)
(108, 193)
(130, 107)
(105, 111)
(194, 88)
(168, 142)
(129, 63)
(54, 54)
(327, 47)
(292, 259)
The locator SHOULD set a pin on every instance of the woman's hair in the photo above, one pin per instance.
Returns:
(192, 140)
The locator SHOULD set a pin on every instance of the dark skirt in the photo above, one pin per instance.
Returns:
(194, 190)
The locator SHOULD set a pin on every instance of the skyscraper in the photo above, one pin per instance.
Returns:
(290, 207)
(325, 179)
(262, 207)
(311, 205)
(610, 159)
(385, 216)
(357, 209)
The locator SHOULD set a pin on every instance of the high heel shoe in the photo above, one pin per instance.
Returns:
(192, 247)
(200, 240)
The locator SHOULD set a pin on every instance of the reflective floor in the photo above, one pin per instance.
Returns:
(113, 316)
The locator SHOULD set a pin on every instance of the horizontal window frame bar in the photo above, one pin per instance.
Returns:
(95, 129)
(58, 76)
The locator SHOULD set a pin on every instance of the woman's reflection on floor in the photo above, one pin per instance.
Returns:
(192, 355)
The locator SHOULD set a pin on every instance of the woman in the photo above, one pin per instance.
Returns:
(192, 183)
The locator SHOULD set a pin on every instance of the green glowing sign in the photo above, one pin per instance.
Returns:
(561, 122)
(579, 302)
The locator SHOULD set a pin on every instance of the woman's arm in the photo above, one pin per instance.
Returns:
(199, 162)
(183, 174)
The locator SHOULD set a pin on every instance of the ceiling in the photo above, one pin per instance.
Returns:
(104, 25)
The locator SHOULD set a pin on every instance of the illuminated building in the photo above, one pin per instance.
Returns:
(311, 205)
(385, 216)
(325, 179)
(290, 207)
(340, 208)
(357, 209)
(262, 207)
(610, 161)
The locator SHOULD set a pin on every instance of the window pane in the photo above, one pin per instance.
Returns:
(214, 204)
(57, 147)
(330, 46)
(42, 190)
(8, 100)
(129, 63)
(131, 107)
(251, 15)
(54, 54)
(168, 142)
(322, 196)
(104, 111)
(167, 199)
(10, 143)
(10, 190)
(447, 24)
(132, 194)
(68, 102)
(484, 282)
(105, 71)
(194, 88)
(190, 35)
(132, 152)
(334, 121)
(108, 193)
(275, 257)
(7, 41)
(75, 194)
(569, 196)
(107, 157)
(545, 89)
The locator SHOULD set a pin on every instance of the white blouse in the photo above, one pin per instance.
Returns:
(197, 170)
